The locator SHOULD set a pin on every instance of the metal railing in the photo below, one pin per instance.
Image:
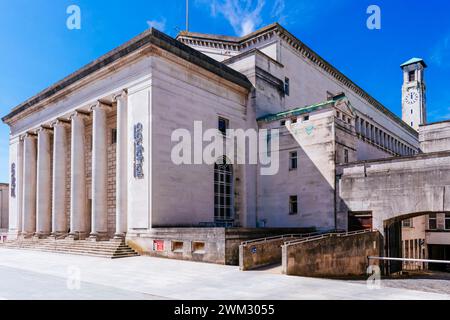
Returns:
(328, 235)
(287, 236)
(407, 260)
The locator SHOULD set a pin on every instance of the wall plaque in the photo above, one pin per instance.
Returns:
(138, 151)
(13, 180)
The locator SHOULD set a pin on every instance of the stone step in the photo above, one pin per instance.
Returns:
(106, 249)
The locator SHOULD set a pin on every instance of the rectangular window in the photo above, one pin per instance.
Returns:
(306, 118)
(293, 205)
(282, 123)
(286, 86)
(432, 221)
(447, 221)
(412, 76)
(293, 160)
(411, 111)
(345, 156)
(412, 124)
(177, 246)
(408, 223)
(294, 120)
(223, 125)
(113, 136)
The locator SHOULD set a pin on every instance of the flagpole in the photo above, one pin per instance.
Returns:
(187, 15)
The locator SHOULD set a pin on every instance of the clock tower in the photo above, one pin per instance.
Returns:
(414, 111)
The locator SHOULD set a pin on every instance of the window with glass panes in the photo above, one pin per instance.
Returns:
(432, 221)
(223, 191)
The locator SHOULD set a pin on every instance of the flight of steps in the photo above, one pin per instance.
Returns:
(106, 249)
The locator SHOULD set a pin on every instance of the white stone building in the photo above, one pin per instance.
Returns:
(91, 155)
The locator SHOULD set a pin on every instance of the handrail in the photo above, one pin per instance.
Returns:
(408, 259)
(294, 235)
(329, 235)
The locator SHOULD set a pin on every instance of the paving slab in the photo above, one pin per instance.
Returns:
(156, 278)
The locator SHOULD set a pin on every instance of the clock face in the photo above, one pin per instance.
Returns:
(412, 96)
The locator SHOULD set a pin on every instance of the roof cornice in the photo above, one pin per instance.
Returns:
(304, 50)
(149, 37)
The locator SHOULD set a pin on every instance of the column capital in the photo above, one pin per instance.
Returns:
(99, 105)
(44, 130)
(120, 95)
(77, 114)
(28, 135)
(59, 122)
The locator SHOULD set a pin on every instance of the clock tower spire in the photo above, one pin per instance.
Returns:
(414, 111)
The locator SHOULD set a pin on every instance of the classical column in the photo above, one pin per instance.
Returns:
(99, 172)
(29, 186)
(44, 184)
(78, 203)
(121, 166)
(59, 206)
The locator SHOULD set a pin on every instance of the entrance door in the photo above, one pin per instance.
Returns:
(393, 236)
(360, 221)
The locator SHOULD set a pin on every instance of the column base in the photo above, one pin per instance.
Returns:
(98, 236)
(77, 236)
(26, 235)
(58, 235)
(119, 236)
(41, 235)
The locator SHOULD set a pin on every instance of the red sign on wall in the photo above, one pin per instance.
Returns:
(158, 245)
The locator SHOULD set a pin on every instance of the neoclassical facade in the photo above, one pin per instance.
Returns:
(90, 157)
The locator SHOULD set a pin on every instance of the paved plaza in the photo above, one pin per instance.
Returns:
(38, 275)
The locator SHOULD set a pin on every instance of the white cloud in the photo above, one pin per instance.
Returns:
(244, 16)
(278, 11)
(160, 25)
(440, 55)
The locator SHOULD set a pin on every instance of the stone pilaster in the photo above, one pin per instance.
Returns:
(59, 205)
(99, 172)
(78, 195)
(44, 184)
(29, 186)
(121, 166)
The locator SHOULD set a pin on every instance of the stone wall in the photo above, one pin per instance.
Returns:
(214, 245)
(396, 188)
(260, 254)
(435, 137)
(332, 256)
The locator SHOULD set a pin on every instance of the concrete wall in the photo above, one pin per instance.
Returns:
(435, 137)
(181, 95)
(312, 182)
(396, 188)
(259, 254)
(335, 256)
(214, 245)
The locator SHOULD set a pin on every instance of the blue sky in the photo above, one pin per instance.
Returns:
(37, 49)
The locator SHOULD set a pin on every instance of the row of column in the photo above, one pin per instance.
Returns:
(380, 137)
(45, 179)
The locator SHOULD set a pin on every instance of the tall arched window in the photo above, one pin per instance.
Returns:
(223, 190)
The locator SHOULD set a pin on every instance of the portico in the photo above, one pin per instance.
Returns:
(67, 173)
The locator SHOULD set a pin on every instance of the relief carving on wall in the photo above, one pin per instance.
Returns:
(13, 180)
(138, 151)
